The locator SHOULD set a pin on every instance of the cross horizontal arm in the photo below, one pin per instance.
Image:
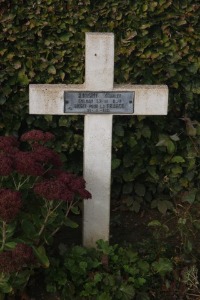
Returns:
(48, 99)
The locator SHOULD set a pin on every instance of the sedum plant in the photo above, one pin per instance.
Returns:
(36, 196)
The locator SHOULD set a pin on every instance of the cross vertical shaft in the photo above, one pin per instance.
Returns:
(99, 62)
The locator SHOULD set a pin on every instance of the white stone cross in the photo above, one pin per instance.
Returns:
(99, 74)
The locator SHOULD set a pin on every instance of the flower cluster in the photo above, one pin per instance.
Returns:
(8, 147)
(27, 171)
(26, 163)
(13, 261)
(36, 136)
(8, 143)
(45, 155)
(10, 204)
(6, 164)
(62, 187)
(23, 254)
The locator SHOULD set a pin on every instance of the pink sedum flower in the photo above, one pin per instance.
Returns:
(26, 163)
(53, 189)
(8, 141)
(6, 165)
(46, 155)
(8, 144)
(62, 186)
(10, 204)
(6, 263)
(23, 254)
(37, 136)
(15, 260)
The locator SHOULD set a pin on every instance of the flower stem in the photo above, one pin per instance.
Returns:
(23, 182)
(49, 213)
(3, 235)
(69, 208)
(67, 212)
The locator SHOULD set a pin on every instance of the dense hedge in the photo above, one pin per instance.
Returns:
(157, 42)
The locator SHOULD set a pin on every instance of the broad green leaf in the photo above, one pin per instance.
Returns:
(162, 206)
(48, 118)
(63, 121)
(128, 176)
(152, 172)
(135, 206)
(184, 182)
(139, 189)
(132, 141)
(196, 90)
(62, 75)
(10, 229)
(75, 210)
(40, 253)
(177, 170)
(71, 224)
(190, 129)
(115, 163)
(128, 290)
(170, 147)
(140, 118)
(28, 228)
(127, 188)
(182, 221)
(2, 100)
(98, 277)
(146, 132)
(17, 64)
(154, 160)
(141, 281)
(161, 143)
(162, 266)
(51, 70)
(10, 245)
(128, 160)
(143, 265)
(190, 196)
(104, 296)
(119, 130)
(23, 78)
(178, 159)
(83, 265)
(189, 246)
(104, 246)
(155, 223)
(5, 287)
(22, 278)
(65, 37)
(79, 251)
(198, 129)
(196, 224)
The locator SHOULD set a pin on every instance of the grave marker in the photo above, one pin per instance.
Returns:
(98, 100)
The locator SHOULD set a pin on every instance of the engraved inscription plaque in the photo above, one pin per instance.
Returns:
(88, 102)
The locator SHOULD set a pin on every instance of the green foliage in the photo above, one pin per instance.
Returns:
(163, 266)
(106, 272)
(34, 205)
(140, 272)
(157, 42)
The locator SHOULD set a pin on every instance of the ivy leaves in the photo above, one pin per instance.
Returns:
(155, 42)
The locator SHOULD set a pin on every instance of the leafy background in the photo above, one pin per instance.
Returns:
(155, 159)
